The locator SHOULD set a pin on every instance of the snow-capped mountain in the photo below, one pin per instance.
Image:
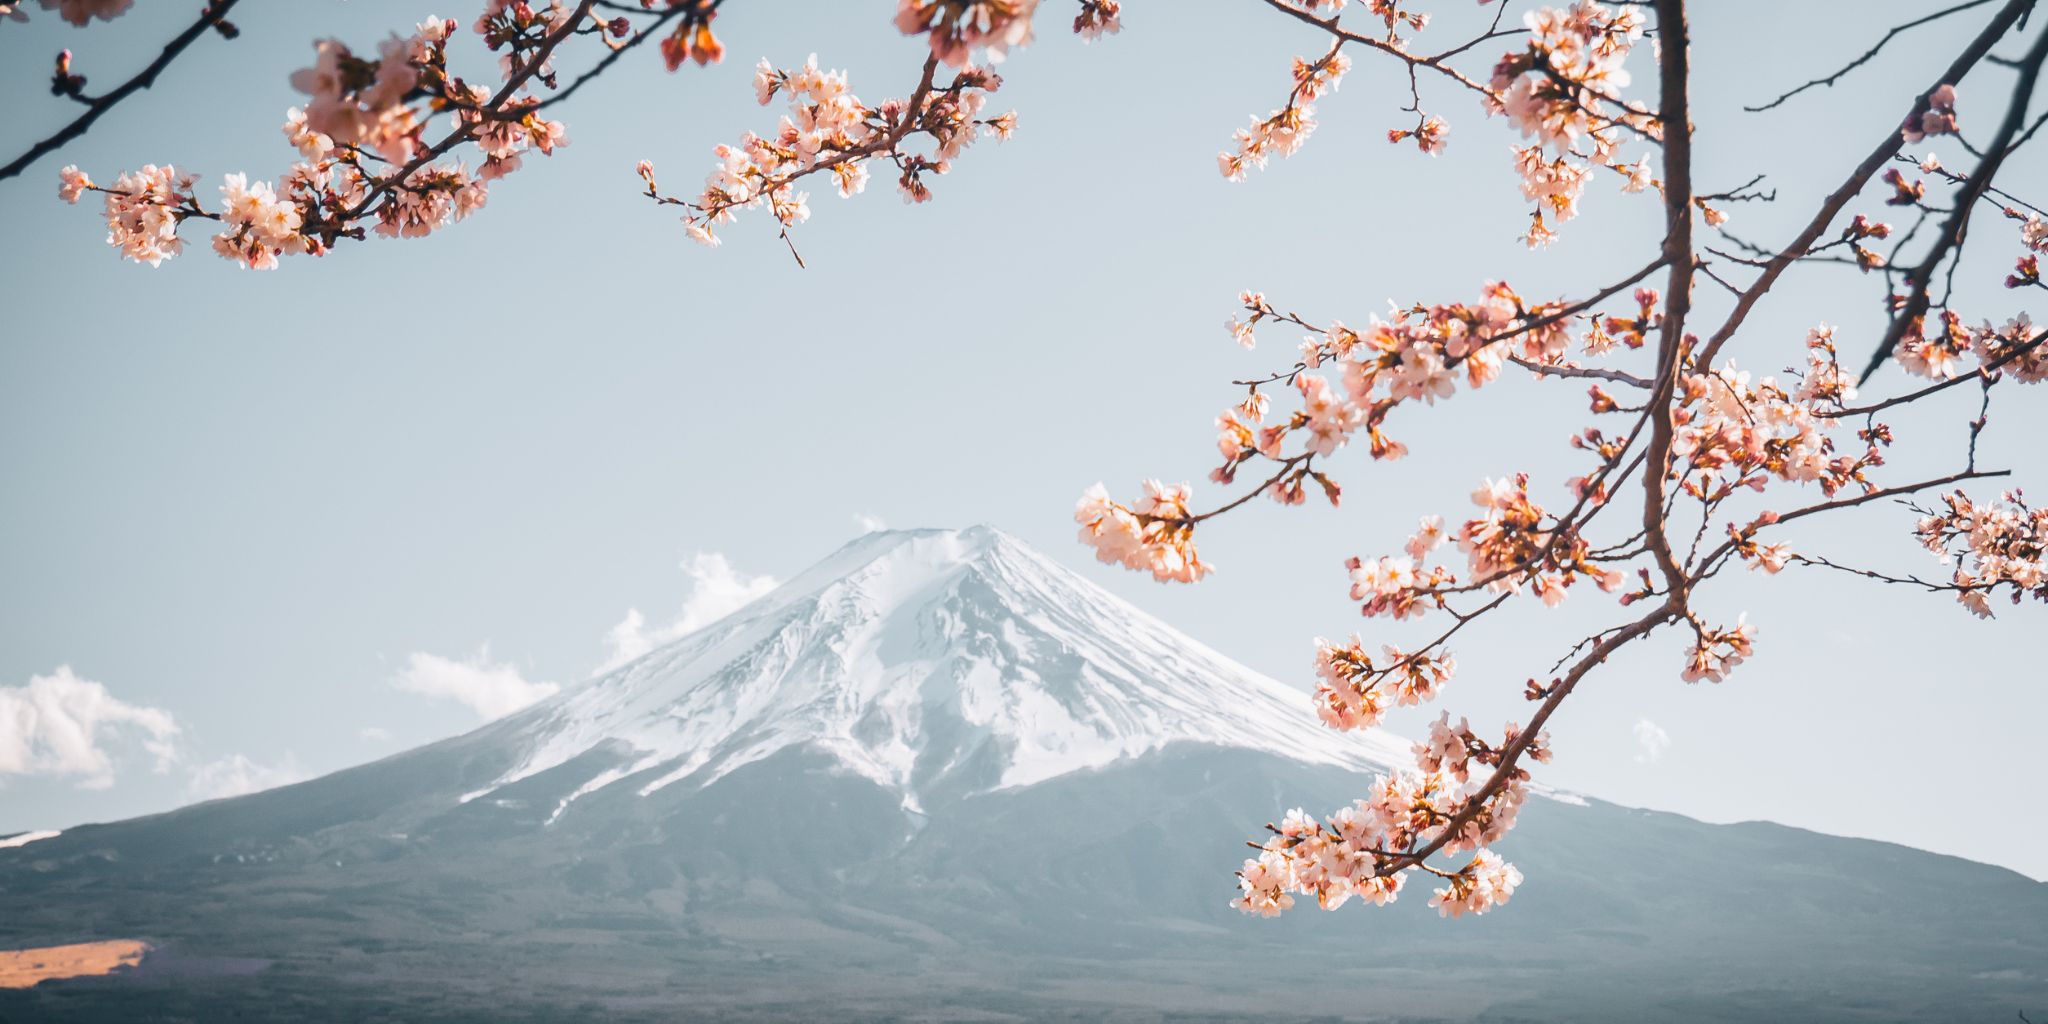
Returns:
(961, 661)
(938, 776)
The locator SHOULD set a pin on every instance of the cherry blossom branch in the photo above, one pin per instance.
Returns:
(1526, 326)
(1958, 226)
(467, 129)
(1288, 466)
(640, 35)
(1986, 370)
(1330, 25)
(1832, 206)
(1703, 435)
(1872, 574)
(1673, 56)
(1889, 492)
(211, 17)
(1582, 372)
(1511, 754)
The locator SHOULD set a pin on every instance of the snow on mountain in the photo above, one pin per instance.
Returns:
(923, 660)
(26, 838)
(939, 777)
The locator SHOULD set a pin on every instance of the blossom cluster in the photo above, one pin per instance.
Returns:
(955, 28)
(77, 12)
(1415, 356)
(1717, 650)
(1992, 545)
(364, 156)
(1938, 119)
(1734, 430)
(1284, 131)
(144, 209)
(1563, 90)
(260, 226)
(1098, 18)
(1155, 534)
(1512, 534)
(1354, 692)
(827, 129)
(1704, 431)
(1367, 849)
(2014, 347)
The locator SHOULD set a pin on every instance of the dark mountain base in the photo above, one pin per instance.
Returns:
(787, 892)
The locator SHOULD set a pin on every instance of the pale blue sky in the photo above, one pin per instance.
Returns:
(247, 498)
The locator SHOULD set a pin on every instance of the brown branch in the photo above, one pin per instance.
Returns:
(1331, 26)
(1958, 227)
(1673, 112)
(1896, 31)
(1889, 492)
(213, 14)
(1980, 372)
(1588, 372)
(644, 33)
(1872, 574)
(1511, 754)
(1728, 546)
(1523, 328)
(463, 134)
(2004, 20)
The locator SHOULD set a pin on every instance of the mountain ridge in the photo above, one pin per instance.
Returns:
(903, 654)
(940, 777)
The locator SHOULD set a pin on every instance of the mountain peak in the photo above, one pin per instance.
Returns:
(930, 661)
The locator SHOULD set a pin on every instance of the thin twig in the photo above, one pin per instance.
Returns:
(209, 16)
(1840, 197)
(1830, 80)
(1957, 229)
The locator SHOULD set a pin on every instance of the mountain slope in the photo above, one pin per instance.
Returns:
(960, 660)
(940, 777)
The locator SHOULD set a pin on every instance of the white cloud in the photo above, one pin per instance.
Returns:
(1653, 740)
(716, 590)
(60, 724)
(374, 734)
(868, 523)
(236, 775)
(489, 689)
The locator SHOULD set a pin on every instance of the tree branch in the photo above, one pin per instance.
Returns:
(1830, 80)
(210, 16)
(2007, 16)
(1673, 112)
(1958, 226)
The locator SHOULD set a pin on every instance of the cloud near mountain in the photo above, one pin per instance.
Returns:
(67, 726)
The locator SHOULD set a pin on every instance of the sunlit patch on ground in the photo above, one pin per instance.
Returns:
(22, 968)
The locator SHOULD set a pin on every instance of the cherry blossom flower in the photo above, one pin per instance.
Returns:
(1284, 131)
(956, 28)
(1938, 119)
(1156, 534)
(143, 211)
(72, 183)
(259, 226)
(81, 12)
(827, 129)
(1717, 651)
(1429, 535)
(1993, 545)
(359, 102)
(1563, 91)
(1098, 18)
(1485, 883)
